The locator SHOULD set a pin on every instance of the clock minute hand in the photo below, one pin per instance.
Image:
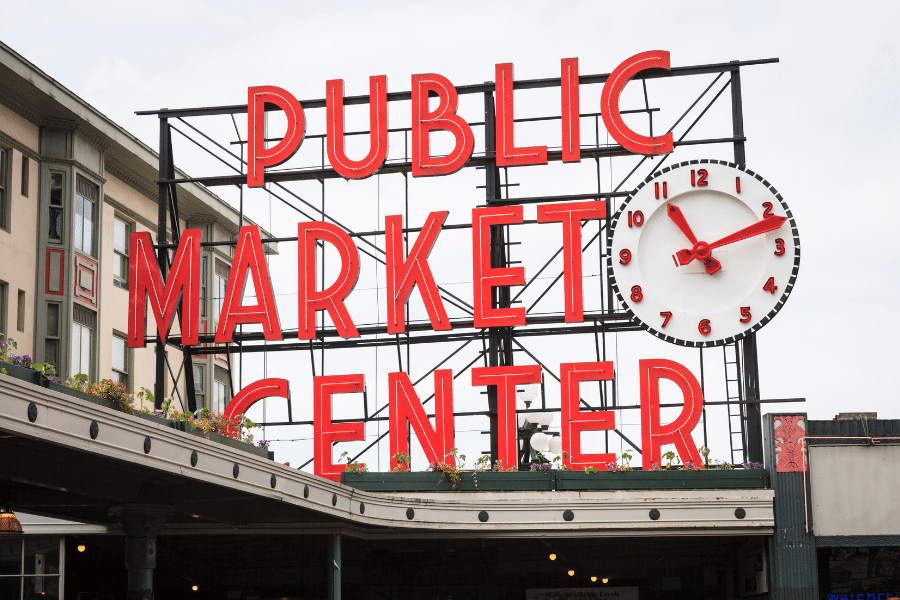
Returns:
(678, 218)
(764, 226)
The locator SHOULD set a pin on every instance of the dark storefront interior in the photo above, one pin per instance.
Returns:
(846, 572)
(261, 567)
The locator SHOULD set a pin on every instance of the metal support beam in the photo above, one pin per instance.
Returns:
(334, 567)
(165, 158)
(141, 523)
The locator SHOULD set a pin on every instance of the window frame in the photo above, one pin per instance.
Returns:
(220, 378)
(20, 311)
(4, 302)
(117, 374)
(122, 281)
(92, 340)
(77, 220)
(57, 338)
(25, 176)
(60, 208)
(5, 179)
(199, 374)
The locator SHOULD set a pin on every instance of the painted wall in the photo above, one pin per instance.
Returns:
(853, 490)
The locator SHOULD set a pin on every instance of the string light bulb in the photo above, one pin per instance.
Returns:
(194, 587)
(593, 578)
(571, 572)
(81, 548)
(605, 580)
(552, 557)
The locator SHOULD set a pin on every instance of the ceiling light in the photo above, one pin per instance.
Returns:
(81, 548)
(194, 587)
(593, 578)
(571, 572)
(605, 580)
(9, 524)
(552, 557)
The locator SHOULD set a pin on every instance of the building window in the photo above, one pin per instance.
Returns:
(203, 285)
(221, 393)
(20, 312)
(120, 360)
(30, 566)
(4, 290)
(86, 195)
(4, 189)
(121, 231)
(199, 387)
(220, 282)
(51, 342)
(56, 208)
(82, 340)
(25, 176)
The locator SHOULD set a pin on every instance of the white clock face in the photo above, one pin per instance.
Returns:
(703, 253)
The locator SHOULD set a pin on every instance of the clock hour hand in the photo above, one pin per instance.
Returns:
(678, 218)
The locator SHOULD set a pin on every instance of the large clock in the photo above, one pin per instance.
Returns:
(703, 253)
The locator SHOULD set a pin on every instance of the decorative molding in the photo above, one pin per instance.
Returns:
(59, 124)
(11, 142)
(52, 287)
(91, 135)
(81, 167)
(790, 452)
(856, 541)
(131, 214)
(130, 178)
(86, 276)
(20, 109)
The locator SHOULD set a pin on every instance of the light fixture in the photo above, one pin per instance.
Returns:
(555, 444)
(547, 419)
(593, 578)
(194, 587)
(9, 524)
(605, 580)
(534, 418)
(540, 442)
(552, 557)
(81, 548)
(571, 572)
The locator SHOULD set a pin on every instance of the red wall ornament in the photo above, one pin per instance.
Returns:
(789, 450)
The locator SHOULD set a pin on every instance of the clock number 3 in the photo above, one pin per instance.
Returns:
(745, 314)
(636, 294)
(666, 316)
(779, 247)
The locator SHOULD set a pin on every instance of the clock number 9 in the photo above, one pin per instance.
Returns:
(704, 327)
(635, 218)
(624, 256)
(779, 247)
(745, 314)
(636, 294)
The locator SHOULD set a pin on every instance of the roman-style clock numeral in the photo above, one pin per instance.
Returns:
(666, 316)
(637, 294)
(770, 285)
(624, 256)
(737, 184)
(745, 314)
(665, 190)
(768, 210)
(779, 247)
(635, 218)
(704, 327)
(698, 178)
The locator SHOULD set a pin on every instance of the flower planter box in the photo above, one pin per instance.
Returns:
(707, 479)
(25, 374)
(221, 439)
(428, 481)
(63, 389)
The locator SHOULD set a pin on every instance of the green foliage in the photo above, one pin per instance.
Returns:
(669, 457)
(403, 462)
(704, 452)
(46, 369)
(353, 466)
(625, 461)
(115, 392)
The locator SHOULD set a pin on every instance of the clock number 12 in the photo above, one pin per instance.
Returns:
(698, 178)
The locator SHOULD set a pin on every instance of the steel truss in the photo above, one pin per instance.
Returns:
(498, 345)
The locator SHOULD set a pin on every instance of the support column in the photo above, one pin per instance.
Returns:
(142, 523)
(792, 550)
(334, 566)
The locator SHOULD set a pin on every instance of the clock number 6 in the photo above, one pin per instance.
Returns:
(635, 218)
(704, 327)
(779, 247)
(770, 285)
(624, 256)
(667, 315)
(636, 294)
(745, 314)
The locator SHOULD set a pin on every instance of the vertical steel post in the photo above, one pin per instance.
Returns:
(159, 388)
(498, 259)
(333, 567)
(750, 366)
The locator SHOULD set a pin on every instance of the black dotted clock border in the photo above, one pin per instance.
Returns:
(725, 341)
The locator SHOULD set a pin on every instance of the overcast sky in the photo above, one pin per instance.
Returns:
(822, 126)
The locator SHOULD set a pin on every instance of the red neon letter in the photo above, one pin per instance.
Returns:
(484, 276)
(570, 214)
(146, 281)
(609, 104)
(574, 421)
(402, 276)
(272, 387)
(324, 431)
(444, 117)
(571, 124)
(404, 405)
(248, 255)
(331, 298)
(258, 156)
(678, 432)
(507, 153)
(506, 379)
(378, 129)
